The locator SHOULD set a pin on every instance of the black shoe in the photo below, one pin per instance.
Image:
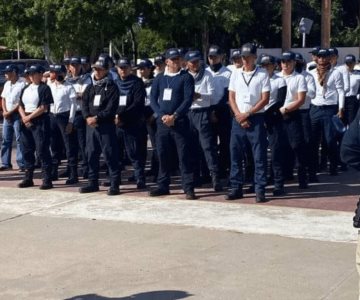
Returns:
(158, 192)
(303, 185)
(3, 168)
(190, 195)
(140, 185)
(217, 186)
(278, 192)
(313, 179)
(250, 190)
(260, 198)
(113, 191)
(46, 185)
(88, 189)
(26, 183)
(72, 181)
(233, 195)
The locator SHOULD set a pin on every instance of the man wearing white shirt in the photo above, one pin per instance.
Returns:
(249, 92)
(62, 114)
(328, 101)
(295, 98)
(235, 58)
(199, 117)
(351, 106)
(334, 55)
(10, 102)
(220, 112)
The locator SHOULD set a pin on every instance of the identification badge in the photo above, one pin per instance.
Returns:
(122, 101)
(97, 100)
(167, 94)
(246, 98)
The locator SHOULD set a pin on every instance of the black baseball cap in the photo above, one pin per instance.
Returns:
(248, 49)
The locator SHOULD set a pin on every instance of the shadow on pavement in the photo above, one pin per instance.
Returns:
(155, 295)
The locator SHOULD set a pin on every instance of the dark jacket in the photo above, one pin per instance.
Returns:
(109, 101)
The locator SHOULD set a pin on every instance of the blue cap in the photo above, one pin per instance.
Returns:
(182, 51)
(193, 55)
(288, 55)
(26, 71)
(84, 60)
(51, 68)
(172, 53)
(66, 60)
(267, 60)
(235, 53)
(59, 69)
(103, 62)
(323, 52)
(145, 63)
(333, 51)
(299, 57)
(11, 68)
(315, 50)
(350, 58)
(36, 69)
(215, 51)
(75, 60)
(338, 124)
(159, 59)
(248, 49)
(124, 62)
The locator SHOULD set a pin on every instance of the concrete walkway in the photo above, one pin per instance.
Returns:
(64, 245)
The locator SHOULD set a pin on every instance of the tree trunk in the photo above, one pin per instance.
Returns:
(286, 25)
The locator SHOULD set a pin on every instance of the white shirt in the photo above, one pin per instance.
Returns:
(311, 89)
(11, 93)
(206, 88)
(30, 98)
(221, 82)
(80, 87)
(248, 87)
(64, 96)
(296, 83)
(354, 83)
(346, 76)
(332, 93)
(276, 83)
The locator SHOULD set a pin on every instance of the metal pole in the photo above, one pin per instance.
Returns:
(18, 43)
(303, 39)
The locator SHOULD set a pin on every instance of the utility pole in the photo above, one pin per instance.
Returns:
(325, 23)
(286, 25)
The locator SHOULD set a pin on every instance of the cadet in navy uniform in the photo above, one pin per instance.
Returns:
(35, 130)
(220, 115)
(172, 94)
(249, 92)
(100, 102)
(199, 117)
(63, 113)
(130, 118)
(80, 81)
(145, 68)
(274, 123)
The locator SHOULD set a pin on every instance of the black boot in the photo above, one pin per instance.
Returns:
(46, 185)
(217, 186)
(28, 179)
(54, 172)
(73, 177)
(91, 187)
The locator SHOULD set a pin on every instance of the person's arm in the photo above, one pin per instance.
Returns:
(311, 87)
(188, 91)
(339, 84)
(154, 96)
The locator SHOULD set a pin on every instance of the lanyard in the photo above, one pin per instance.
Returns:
(252, 76)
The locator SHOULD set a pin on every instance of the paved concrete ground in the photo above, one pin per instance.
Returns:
(63, 245)
(59, 244)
